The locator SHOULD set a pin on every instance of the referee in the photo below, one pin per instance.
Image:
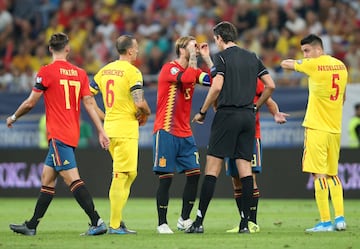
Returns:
(235, 73)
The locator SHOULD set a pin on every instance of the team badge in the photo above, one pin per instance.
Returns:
(38, 79)
(174, 70)
(162, 162)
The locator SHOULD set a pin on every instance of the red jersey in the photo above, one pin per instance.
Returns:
(259, 89)
(174, 98)
(63, 85)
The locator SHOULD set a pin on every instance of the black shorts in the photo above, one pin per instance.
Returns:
(232, 134)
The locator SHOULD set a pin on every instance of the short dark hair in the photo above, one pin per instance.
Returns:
(58, 41)
(312, 40)
(123, 43)
(357, 106)
(227, 31)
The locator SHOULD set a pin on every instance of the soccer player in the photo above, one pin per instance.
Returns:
(174, 148)
(233, 127)
(121, 85)
(256, 162)
(63, 86)
(327, 87)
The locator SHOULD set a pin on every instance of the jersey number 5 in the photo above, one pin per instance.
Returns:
(335, 77)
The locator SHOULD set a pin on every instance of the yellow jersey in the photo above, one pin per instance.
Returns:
(115, 81)
(327, 84)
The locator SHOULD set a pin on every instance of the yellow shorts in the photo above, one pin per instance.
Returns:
(124, 152)
(321, 152)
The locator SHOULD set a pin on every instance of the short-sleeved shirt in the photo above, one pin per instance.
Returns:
(233, 127)
(63, 85)
(115, 81)
(327, 82)
(174, 98)
(241, 70)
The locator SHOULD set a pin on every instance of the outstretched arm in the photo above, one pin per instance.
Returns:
(279, 117)
(24, 108)
(288, 64)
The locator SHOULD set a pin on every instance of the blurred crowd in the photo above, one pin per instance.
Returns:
(271, 28)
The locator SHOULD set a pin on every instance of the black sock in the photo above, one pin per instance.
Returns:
(247, 190)
(85, 200)
(189, 195)
(162, 197)
(206, 194)
(238, 198)
(254, 205)
(45, 197)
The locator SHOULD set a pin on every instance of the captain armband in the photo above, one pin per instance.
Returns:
(204, 79)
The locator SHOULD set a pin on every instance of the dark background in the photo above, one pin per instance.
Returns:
(281, 178)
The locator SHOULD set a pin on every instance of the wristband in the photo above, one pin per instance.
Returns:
(13, 117)
(202, 113)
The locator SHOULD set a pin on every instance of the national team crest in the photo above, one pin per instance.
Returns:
(162, 162)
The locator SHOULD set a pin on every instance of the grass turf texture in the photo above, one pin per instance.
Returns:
(282, 225)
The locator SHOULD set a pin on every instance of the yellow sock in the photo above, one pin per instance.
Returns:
(130, 179)
(322, 198)
(117, 198)
(336, 193)
(119, 194)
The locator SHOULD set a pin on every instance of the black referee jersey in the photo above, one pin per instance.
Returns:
(240, 69)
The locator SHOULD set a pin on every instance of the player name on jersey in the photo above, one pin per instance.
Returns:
(331, 67)
(68, 72)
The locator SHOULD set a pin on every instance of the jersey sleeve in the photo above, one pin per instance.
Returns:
(135, 79)
(305, 66)
(219, 64)
(40, 82)
(172, 73)
(261, 68)
(94, 86)
(85, 88)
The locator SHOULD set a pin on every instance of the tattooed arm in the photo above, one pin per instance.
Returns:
(143, 109)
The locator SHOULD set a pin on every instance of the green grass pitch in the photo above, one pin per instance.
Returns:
(282, 225)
